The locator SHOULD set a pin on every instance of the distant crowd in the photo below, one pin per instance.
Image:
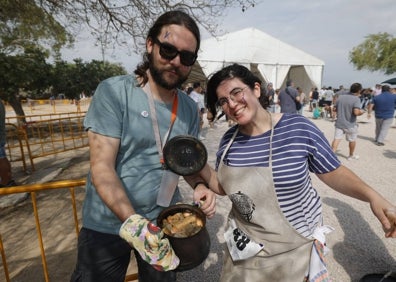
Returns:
(321, 102)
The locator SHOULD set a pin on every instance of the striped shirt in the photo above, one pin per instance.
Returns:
(298, 147)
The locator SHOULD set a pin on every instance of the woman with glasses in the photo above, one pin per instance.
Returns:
(275, 230)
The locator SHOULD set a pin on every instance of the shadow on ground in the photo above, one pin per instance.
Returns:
(359, 242)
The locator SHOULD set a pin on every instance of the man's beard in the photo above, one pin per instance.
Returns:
(159, 79)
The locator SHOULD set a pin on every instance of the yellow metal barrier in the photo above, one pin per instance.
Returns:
(33, 189)
(56, 105)
(3, 258)
(44, 135)
(16, 141)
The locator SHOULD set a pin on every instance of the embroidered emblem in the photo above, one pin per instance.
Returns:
(144, 114)
(243, 204)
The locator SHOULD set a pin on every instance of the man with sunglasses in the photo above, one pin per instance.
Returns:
(128, 122)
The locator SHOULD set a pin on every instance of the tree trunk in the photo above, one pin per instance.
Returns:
(17, 106)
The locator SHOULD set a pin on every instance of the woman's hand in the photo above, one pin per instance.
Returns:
(386, 214)
(206, 199)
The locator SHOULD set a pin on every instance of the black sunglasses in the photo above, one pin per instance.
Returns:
(169, 52)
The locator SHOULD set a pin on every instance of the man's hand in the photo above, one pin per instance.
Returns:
(148, 240)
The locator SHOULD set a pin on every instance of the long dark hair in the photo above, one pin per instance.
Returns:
(229, 72)
(177, 17)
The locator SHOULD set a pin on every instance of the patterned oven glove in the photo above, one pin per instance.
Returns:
(147, 239)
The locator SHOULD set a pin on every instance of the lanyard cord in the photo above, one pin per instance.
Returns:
(154, 121)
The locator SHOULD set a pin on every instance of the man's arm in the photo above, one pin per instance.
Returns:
(358, 111)
(103, 153)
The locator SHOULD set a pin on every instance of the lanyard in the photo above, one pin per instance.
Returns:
(154, 121)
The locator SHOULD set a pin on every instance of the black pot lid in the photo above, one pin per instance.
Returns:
(185, 155)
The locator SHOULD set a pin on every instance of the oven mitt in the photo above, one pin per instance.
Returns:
(147, 239)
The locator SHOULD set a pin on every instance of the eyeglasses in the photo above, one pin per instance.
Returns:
(169, 52)
(236, 95)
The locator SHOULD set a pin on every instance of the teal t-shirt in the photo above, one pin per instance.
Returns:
(120, 109)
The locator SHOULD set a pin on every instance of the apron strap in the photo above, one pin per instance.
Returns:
(235, 134)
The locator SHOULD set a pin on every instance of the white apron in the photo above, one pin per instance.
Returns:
(255, 210)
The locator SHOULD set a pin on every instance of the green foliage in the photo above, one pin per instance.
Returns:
(27, 72)
(32, 30)
(376, 53)
(23, 24)
(74, 79)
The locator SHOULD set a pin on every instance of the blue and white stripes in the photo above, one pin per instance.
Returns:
(298, 147)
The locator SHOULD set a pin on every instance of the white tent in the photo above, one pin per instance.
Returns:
(269, 58)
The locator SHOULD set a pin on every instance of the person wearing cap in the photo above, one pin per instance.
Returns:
(384, 105)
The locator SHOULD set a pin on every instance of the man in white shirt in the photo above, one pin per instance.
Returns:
(197, 96)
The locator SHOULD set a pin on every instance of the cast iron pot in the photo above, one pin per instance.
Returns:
(185, 155)
(192, 251)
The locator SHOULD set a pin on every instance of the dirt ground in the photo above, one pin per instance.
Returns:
(357, 246)
(55, 211)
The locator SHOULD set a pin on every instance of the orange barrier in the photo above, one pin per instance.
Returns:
(33, 189)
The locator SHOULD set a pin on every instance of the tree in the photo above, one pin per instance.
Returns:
(28, 34)
(376, 53)
(81, 77)
(49, 25)
(125, 22)
(27, 72)
(24, 24)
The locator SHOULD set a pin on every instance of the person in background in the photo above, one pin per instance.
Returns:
(189, 90)
(127, 122)
(275, 227)
(198, 97)
(377, 89)
(271, 97)
(276, 101)
(347, 107)
(315, 98)
(5, 166)
(328, 102)
(301, 95)
(365, 98)
(310, 109)
(288, 98)
(384, 104)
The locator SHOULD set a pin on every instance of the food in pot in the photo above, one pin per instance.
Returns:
(182, 225)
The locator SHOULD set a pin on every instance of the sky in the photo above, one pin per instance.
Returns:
(326, 29)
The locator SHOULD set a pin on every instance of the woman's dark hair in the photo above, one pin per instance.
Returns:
(229, 72)
(176, 17)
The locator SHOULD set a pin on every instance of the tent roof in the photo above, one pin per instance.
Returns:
(251, 45)
(269, 58)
